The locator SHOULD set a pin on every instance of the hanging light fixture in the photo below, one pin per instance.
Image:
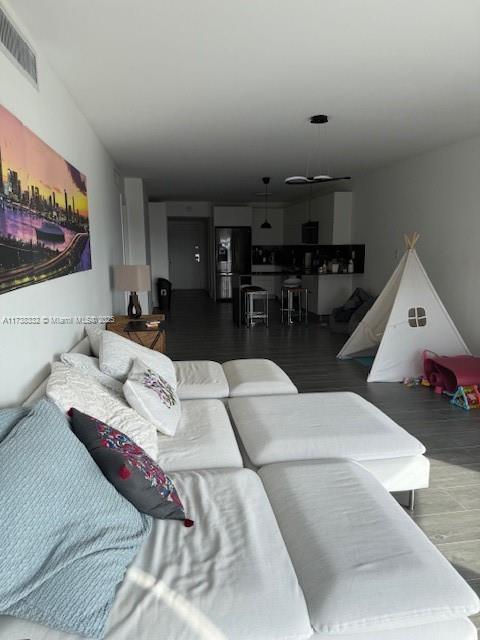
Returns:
(308, 178)
(266, 224)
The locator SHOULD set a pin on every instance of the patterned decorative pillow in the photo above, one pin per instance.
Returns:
(90, 367)
(126, 465)
(153, 397)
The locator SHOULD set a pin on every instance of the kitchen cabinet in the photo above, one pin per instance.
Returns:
(333, 212)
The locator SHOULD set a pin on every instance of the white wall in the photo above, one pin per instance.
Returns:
(342, 218)
(232, 216)
(137, 231)
(438, 195)
(157, 212)
(186, 209)
(25, 351)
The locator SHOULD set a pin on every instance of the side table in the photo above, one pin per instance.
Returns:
(135, 330)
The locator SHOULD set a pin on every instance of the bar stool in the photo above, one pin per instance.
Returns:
(256, 307)
(289, 294)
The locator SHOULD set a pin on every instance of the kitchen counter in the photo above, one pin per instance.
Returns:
(324, 293)
(256, 272)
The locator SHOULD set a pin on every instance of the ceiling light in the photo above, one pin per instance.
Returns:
(321, 177)
(266, 224)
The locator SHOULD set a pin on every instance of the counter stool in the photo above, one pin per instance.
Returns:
(289, 293)
(256, 307)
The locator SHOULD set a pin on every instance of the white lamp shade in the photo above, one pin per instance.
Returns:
(131, 277)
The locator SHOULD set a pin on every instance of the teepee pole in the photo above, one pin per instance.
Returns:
(411, 240)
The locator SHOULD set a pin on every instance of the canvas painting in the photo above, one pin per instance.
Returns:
(44, 230)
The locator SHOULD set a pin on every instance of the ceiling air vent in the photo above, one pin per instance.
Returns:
(18, 48)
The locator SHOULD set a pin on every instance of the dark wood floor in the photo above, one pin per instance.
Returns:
(449, 511)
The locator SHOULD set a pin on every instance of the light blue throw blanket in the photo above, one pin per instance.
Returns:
(66, 534)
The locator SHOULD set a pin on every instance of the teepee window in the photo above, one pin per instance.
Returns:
(417, 317)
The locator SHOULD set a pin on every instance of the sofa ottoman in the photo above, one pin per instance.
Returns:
(329, 425)
(363, 564)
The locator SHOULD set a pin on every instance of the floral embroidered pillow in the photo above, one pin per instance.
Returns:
(153, 397)
(131, 471)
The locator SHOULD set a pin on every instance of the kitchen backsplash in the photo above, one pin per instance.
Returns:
(312, 258)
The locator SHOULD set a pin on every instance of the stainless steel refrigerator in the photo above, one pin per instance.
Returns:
(233, 254)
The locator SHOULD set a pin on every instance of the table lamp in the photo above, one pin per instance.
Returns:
(133, 278)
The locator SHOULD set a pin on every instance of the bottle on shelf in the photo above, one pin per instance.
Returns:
(351, 267)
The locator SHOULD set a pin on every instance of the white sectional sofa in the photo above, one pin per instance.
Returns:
(301, 549)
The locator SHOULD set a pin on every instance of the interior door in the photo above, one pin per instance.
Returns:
(187, 252)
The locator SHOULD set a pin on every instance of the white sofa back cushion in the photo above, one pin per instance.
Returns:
(117, 355)
(153, 397)
(94, 334)
(68, 387)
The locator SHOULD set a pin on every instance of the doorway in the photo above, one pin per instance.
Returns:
(188, 253)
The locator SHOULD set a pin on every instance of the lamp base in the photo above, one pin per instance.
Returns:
(134, 309)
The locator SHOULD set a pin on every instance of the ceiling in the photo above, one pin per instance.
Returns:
(203, 98)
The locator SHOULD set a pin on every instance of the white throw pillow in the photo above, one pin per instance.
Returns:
(68, 387)
(90, 367)
(153, 397)
(117, 355)
(94, 334)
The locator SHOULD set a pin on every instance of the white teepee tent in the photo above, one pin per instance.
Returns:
(407, 318)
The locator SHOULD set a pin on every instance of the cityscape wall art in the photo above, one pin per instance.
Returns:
(44, 230)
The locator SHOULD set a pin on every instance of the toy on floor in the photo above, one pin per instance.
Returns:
(416, 382)
(447, 373)
(457, 377)
(466, 397)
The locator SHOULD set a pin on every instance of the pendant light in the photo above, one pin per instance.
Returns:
(308, 178)
(266, 224)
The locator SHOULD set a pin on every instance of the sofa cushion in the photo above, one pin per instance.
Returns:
(198, 379)
(94, 335)
(229, 576)
(68, 387)
(362, 562)
(153, 397)
(204, 439)
(126, 465)
(318, 425)
(89, 365)
(117, 355)
(256, 377)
